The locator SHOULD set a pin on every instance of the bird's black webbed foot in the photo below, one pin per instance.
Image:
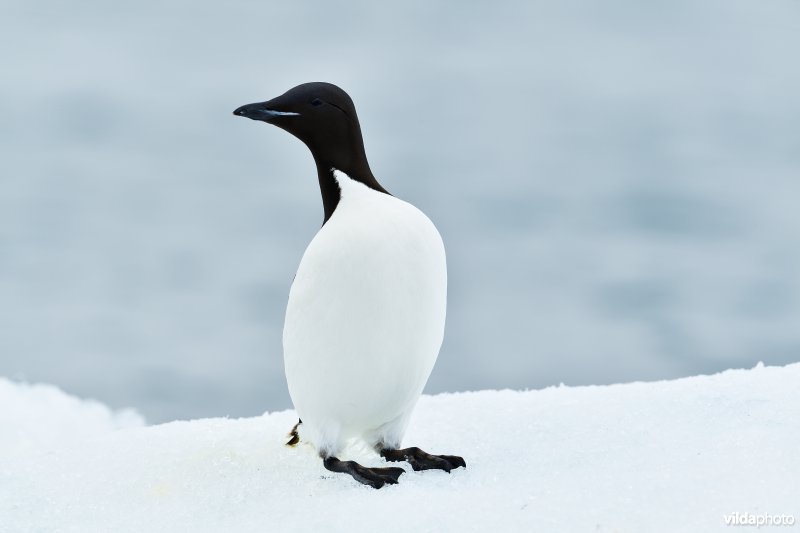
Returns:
(374, 477)
(420, 460)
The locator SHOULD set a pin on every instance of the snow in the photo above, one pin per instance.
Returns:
(34, 417)
(661, 456)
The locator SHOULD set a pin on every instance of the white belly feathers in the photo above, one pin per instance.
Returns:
(365, 318)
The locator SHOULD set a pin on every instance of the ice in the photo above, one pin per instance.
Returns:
(660, 456)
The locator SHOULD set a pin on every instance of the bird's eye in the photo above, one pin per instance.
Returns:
(316, 102)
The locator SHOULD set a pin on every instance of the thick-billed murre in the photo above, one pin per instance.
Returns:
(366, 311)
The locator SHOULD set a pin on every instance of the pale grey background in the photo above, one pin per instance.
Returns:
(617, 184)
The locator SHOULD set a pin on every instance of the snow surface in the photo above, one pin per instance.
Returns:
(663, 456)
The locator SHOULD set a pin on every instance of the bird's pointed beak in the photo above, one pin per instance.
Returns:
(262, 111)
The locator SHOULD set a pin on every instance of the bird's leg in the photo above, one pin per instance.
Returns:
(294, 435)
(374, 477)
(420, 460)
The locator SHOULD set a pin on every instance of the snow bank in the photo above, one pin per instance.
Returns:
(36, 417)
(665, 456)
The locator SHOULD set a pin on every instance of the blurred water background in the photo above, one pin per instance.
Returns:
(617, 184)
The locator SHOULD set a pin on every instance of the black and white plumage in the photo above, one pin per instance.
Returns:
(366, 311)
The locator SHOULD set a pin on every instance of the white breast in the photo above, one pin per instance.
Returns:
(365, 318)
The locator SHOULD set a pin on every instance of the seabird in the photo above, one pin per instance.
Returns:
(366, 312)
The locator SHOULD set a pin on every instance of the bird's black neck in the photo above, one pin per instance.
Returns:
(331, 193)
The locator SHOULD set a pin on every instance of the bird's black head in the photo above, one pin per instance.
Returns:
(322, 116)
